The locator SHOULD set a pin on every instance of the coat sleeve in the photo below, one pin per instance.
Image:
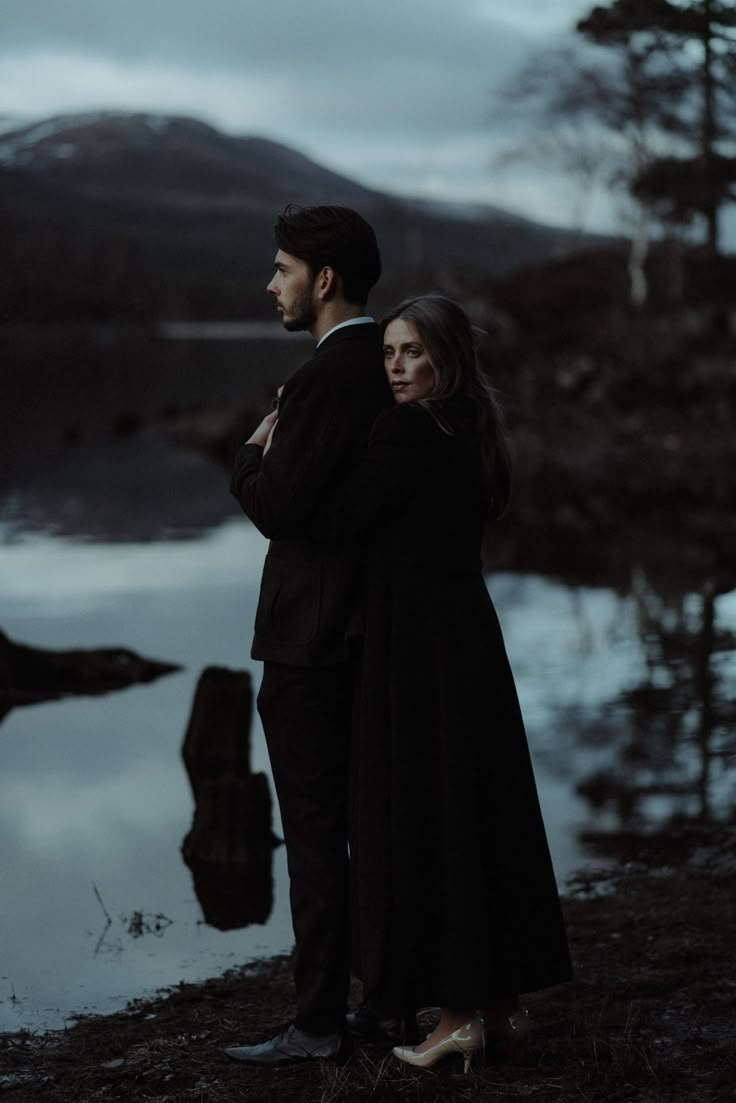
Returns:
(281, 490)
(383, 482)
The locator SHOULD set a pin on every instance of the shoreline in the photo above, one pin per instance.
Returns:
(649, 1015)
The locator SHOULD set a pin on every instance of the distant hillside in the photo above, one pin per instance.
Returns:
(141, 217)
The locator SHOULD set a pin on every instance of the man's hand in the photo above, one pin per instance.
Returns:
(262, 435)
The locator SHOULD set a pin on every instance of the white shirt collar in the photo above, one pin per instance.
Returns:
(363, 320)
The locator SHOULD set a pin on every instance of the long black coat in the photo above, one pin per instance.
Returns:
(454, 895)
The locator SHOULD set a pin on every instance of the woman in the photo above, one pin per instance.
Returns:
(455, 902)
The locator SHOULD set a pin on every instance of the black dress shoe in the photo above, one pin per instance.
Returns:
(371, 1026)
(293, 1045)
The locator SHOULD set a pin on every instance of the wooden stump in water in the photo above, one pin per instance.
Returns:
(230, 843)
(217, 738)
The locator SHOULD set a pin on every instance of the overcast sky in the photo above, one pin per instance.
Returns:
(396, 93)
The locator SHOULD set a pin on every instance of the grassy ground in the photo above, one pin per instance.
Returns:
(651, 1017)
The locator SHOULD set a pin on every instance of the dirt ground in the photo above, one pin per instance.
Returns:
(651, 1015)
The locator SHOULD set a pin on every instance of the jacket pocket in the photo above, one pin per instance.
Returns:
(289, 602)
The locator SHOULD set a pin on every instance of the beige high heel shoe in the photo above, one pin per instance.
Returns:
(467, 1039)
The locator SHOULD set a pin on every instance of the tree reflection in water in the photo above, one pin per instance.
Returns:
(673, 735)
(230, 845)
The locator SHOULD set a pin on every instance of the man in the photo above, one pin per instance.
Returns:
(307, 622)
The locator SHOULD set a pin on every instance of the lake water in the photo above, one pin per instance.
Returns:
(93, 793)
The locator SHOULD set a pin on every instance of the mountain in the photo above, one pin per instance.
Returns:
(139, 217)
(170, 162)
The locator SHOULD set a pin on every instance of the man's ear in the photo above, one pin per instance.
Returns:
(328, 283)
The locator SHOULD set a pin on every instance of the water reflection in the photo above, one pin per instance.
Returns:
(91, 790)
(133, 490)
(136, 926)
(230, 844)
(85, 416)
(671, 734)
(125, 538)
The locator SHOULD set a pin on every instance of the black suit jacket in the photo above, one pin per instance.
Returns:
(308, 604)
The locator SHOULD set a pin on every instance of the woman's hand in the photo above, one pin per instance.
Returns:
(262, 435)
(270, 435)
(275, 403)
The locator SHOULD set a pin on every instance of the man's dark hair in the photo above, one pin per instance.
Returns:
(334, 236)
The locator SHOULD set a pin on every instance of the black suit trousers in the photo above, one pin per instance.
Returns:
(306, 714)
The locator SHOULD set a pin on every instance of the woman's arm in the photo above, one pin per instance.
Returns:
(379, 488)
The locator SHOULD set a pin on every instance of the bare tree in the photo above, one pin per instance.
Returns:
(686, 51)
(593, 118)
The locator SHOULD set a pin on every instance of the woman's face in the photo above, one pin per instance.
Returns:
(406, 361)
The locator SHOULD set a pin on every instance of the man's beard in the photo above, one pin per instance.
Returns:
(302, 315)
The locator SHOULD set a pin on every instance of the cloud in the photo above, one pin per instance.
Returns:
(412, 64)
(324, 40)
(537, 17)
(397, 94)
(48, 82)
(387, 92)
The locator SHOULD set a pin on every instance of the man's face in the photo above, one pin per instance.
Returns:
(293, 288)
